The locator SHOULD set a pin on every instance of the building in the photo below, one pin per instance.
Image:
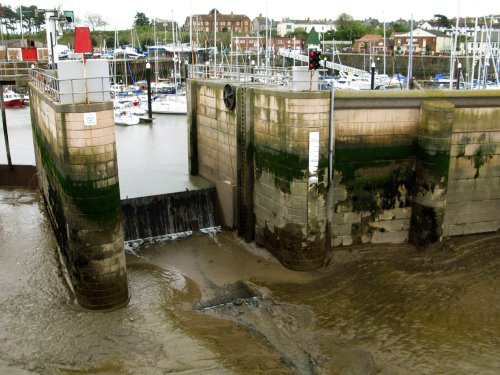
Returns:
(443, 42)
(259, 23)
(424, 42)
(486, 43)
(237, 23)
(258, 43)
(370, 43)
(287, 26)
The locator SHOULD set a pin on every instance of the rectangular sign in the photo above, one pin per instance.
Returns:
(313, 153)
(90, 119)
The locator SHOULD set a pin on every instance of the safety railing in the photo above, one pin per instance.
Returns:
(245, 74)
(286, 78)
(71, 91)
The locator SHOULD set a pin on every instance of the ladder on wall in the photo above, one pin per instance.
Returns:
(242, 162)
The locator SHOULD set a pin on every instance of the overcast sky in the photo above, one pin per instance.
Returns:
(121, 14)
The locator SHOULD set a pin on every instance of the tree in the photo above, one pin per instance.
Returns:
(313, 37)
(9, 18)
(95, 20)
(348, 28)
(298, 33)
(344, 21)
(399, 28)
(141, 19)
(442, 21)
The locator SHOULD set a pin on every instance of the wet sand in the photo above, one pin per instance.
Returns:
(212, 304)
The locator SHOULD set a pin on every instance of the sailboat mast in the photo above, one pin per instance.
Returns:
(454, 50)
(114, 56)
(173, 43)
(191, 37)
(215, 39)
(410, 56)
(156, 54)
(474, 58)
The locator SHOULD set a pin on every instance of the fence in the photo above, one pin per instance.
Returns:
(291, 78)
(71, 90)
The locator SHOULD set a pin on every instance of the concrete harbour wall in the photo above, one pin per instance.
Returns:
(408, 166)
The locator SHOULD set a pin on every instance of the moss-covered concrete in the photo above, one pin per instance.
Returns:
(433, 162)
(391, 162)
(81, 193)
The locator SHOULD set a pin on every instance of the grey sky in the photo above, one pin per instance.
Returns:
(120, 14)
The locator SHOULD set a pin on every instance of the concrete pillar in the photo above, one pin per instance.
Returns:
(431, 179)
(77, 168)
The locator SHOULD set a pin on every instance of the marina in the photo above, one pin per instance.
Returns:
(311, 197)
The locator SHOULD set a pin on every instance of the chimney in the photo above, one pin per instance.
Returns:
(260, 15)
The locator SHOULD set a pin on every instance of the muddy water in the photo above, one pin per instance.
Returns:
(209, 304)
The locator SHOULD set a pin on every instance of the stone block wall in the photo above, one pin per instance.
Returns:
(290, 209)
(78, 176)
(216, 133)
(374, 164)
(413, 166)
(473, 198)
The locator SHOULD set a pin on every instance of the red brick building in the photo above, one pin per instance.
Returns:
(423, 42)
(370, 43)
(255, 43)
(238, 23)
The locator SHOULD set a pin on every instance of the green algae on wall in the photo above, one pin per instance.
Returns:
(376, 177)
(286, 167)
(99, 204)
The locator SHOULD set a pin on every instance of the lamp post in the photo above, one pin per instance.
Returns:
(459, 66)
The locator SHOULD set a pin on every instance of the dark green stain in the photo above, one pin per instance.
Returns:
(479, 158)
(436, 161)
(374, 176)
(345, 153)
(99, 204)
(286, 167)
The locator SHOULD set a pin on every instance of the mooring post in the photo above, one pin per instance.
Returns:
(4, 123)
(148, 81)
(373, 76)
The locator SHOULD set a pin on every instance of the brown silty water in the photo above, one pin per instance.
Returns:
(211, 304)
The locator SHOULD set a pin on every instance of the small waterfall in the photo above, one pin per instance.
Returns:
(18, 176)
(159, 215)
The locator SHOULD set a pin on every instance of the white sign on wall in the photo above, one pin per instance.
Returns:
(313, 155)
(89, 119)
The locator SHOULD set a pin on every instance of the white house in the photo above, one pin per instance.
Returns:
(287, 26)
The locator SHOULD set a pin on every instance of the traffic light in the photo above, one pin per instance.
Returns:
(314, 60)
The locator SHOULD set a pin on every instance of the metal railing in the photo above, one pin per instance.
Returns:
(71, 91)
(245, 74)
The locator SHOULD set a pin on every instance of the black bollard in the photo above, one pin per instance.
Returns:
(148, 81)
(373, 76)
(5, 133)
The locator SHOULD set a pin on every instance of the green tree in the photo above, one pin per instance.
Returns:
(298, 33)
(313, 37)
(348, 28)
(141, 19)
(398, 28)
(442, 20)
(9, 19)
